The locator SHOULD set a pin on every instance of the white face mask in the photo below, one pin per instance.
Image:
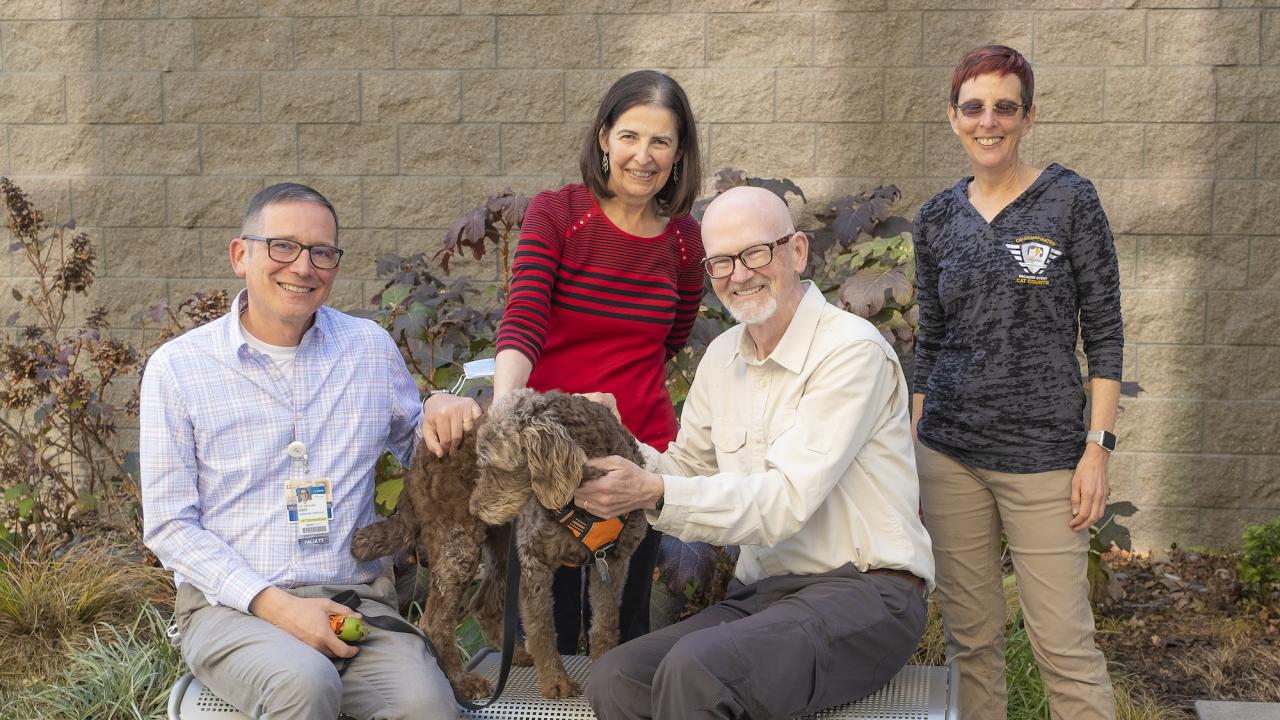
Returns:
(475, 370)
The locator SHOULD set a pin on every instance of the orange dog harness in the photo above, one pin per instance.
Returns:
(596, 534)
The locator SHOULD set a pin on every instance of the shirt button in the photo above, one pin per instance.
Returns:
(761, 382)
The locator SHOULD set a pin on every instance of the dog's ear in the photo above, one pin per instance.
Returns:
(502, 482)
(555, 462)
(496, 498)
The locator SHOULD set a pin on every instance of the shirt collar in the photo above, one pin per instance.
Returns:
(233, 339)
(793, 348)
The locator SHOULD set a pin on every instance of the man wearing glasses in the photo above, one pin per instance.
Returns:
(795, 443)
(259, 436)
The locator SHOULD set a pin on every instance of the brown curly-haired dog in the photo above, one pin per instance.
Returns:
(526, 458)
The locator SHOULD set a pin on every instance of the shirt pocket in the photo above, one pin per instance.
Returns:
(730, 442)
(783, 420)
(787, 419)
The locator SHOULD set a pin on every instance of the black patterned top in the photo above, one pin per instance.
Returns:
(1001, 308)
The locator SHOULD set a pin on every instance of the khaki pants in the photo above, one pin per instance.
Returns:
(965, 509)
(267, 673)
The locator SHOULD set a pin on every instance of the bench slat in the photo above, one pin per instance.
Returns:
(916, 693)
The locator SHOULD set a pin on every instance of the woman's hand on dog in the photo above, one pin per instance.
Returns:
(605, 399)
(446, 419)
(304, 618)
(624, 487)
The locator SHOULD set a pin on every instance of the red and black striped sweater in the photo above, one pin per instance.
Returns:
(596, 309)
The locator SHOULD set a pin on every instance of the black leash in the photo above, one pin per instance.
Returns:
(510, 624)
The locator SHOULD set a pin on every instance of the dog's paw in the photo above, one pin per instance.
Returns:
(362, 545)
(521, 657)
(474, 686)
(557, 687)
(376, 540)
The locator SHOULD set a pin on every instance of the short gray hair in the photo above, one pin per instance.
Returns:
(286, 192)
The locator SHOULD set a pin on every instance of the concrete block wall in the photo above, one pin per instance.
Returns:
(152, 122)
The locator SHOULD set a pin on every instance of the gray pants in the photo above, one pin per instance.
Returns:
(783, 646)
(267, 673)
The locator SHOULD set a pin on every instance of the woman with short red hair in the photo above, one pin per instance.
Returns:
(1013, 265)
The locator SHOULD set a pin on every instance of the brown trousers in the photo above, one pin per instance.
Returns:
(965, 508)
(779, 647)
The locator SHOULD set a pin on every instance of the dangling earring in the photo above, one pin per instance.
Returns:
(604, 163)
(675, 173)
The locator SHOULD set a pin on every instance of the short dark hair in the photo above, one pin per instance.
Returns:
(998, 59)
(287, 192)
(648, 87)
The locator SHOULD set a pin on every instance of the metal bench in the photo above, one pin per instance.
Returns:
(916, 693)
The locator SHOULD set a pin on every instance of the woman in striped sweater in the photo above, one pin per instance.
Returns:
(605, 286)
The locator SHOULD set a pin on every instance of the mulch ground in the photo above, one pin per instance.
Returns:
(1183, 627)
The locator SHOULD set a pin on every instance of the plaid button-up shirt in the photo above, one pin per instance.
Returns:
(216, 419)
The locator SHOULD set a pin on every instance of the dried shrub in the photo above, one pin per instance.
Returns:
(64, 390)
(44, 602)
(932, 649)
(58, 426)
(193, 312)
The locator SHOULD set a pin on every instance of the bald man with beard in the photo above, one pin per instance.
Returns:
(795, 443)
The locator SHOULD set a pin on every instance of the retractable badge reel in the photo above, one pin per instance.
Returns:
(308, 500)
(298, 451)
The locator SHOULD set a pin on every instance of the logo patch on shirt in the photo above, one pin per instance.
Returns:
(1033, 253)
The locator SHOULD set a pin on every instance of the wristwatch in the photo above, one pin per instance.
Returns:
(1104, 438)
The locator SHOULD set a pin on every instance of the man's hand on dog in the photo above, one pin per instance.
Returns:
(304, 618)
(624, 487)
(446, 419)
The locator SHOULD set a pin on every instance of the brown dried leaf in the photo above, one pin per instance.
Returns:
(863, 293)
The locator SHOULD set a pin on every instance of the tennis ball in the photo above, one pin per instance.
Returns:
(349, 629)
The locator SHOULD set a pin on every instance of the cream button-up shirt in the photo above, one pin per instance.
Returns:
(804, 457)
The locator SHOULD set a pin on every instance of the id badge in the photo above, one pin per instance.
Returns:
(309, 502)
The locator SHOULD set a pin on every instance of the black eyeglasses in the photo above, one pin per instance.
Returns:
(756, 256)
(1004, 109)
(323, 257)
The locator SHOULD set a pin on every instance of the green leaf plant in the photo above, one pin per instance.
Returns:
(1259, 564)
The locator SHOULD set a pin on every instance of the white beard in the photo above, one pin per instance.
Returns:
(752, 310)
